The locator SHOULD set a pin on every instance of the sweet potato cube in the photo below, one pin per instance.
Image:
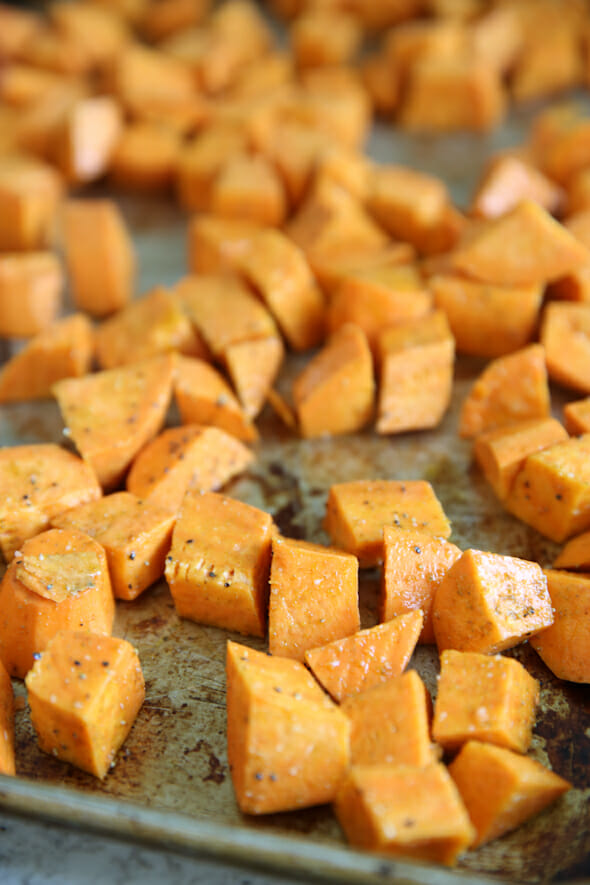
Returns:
(279, 272)
(204, 397)
(29, 194)
(201, 161)
(404, 811)
(416, 373)
(224, 311)
(325, 37)
(575, 554)
(215, 244)
(7, 762)
(564, 645)
(521, 247)
(135, 535)
(85, 692)
(381, 82)
(160, 20)
(513, 387)
(288, 744)
(111, 414)
(357, 511)
(551, 61)
(101, 30)
(551, 492)
(334, 392)
(144, 157)
(84, 143)
(313, 597)
(414, 563)
(332, 271)
(17, 28)
(486, 603)
(248, 187)
(59, 580)
(345, 667)
(390, 723)
(99, 255)
(576, 416)
(508, 180)
(565, 335)
(487, 320)
(575, 286)
(38, 482)
(31, 285)
(253, 367)
(565, 147)
(219, 563)
(145, 79)
(148, 326)
(502, 789)
(484, 698)
(63, 350)
(502, 452)
(190, 456)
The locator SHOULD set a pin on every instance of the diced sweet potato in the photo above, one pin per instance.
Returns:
(313, 597)
(29, 194)
(508, 180)
(84, 143)
(253, 367)
(416, 373)
(345, 667)
(249, 188)
(575, 554)
(144, 80)
(38, 482)
(144, 157)
(335, 268)
(357, 512)
(63, 350)
(324, 37)
(381, 82)
(487, 603)
(390, 723)
(17, 28)
(565, 335)
(551, 491)
(288, 744)
(99, 255)
(135, 535)
(563, 645)
(85, 692)
(102, 32)
(576, 416)
(186, 457)
(204, 397)
(216, 244)
(334, 392)
(414, 564)
(511, 388)
(487, 320)
(534, 75)
(404, 811)
(59, 580)
(502, 452)
(219, 563)
(201, 161)
(484, 698)
(160, 20)
(7, 762)
(110, 415)
(31, 285)
(502, 789)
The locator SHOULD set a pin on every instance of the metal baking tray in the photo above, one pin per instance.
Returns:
(171, 785)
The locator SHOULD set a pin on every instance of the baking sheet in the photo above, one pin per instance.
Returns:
(171, 784)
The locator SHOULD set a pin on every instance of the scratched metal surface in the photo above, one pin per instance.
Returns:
(173, 767)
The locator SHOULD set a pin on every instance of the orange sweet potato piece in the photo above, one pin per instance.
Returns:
(381, 82)
(486, 603)
(150, 325)
(219, 563)
(575, 286)
(59, 580)
(31, 285)
(535, 74)
(215, 244)
(502, 452)
(201, 161)
(414, 563)
(7, 762)
(345, 667)
(248, 187)
(485, 698)
(404, 811)
(135, 536)
(17, 28)
(38, 482)
(204, 397)
(334, 392)
(85, 692)
(29, 194)
(575, 554)
(506, 181)
(253, 367)
(101, 31)
(324, 37)
(110, 415)
(144, 80)
(390, 723)
(576, 416)
(99, 255)
(502, 789)
(63, 350)
(523, 246)
(279, 272)
(487, 320)
(180, 458)
(333, 101)
(160, 20)
(144, 157)
(551, 490)
(24, 85)
(313, 597)
(511, 388)
(416, 373)
(288, 744)
(85, 141)
(565, 335)
(332, 271)
(357, 512)
(563, 645)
